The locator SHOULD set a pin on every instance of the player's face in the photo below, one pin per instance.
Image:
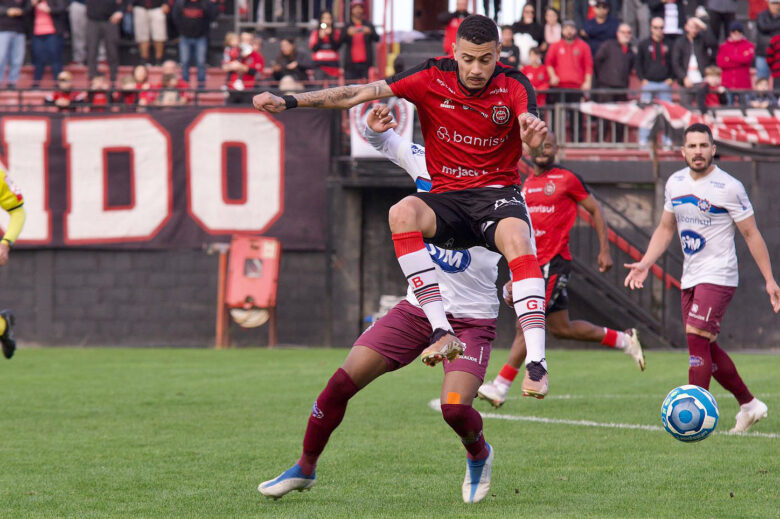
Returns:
(476, 63)
(698, 151)
(544, 156)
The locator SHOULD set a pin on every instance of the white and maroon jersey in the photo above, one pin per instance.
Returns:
(706, 210)
(467, 278)
(472, 138)
(552, 199)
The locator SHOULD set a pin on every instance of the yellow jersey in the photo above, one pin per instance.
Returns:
(10, 195)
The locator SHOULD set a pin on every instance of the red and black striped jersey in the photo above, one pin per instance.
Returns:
(472, 138)
(552, 199)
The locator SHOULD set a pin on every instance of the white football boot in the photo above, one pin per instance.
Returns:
(493, 392)
(749, 414)
(634, 348)
(476, 485)
(289, 480)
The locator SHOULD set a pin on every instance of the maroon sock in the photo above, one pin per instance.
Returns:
(326, 415)
(700, 369)
(725, 372)
(467, 423)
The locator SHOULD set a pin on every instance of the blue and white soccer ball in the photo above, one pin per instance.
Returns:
(689, 413)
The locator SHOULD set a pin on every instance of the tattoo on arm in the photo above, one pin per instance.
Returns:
(345, 96)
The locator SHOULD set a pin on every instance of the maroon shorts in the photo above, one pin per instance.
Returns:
(704, 305)
(402, 335)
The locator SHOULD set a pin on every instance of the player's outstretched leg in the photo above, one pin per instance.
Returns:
(327, 413)
(7, 340)
(528, 300)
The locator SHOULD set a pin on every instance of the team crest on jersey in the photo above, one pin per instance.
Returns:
(501, 115)
(450, 261)
(704, 205)
(549, 188)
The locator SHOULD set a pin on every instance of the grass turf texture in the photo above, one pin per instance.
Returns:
(190, 433)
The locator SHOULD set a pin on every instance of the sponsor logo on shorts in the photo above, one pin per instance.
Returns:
(315, 411)
(696, 361)
(501, 115)
(450, 261)
(692, 242)
(504, 202)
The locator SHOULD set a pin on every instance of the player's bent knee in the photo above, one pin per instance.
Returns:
(403, 216)
(455, 414)
(698, 331)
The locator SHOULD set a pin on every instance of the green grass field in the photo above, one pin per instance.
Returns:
(149, 433)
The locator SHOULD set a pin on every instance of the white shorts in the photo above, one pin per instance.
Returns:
(149, 22)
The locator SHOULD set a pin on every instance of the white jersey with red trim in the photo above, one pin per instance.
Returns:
(706, 211)
(467, 278)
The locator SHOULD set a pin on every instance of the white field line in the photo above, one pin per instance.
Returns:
(624, 395)
(436, 406)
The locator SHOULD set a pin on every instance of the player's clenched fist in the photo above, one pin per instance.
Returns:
(267, 102)
(532, 130)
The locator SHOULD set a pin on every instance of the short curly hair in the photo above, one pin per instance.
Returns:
(478, 29)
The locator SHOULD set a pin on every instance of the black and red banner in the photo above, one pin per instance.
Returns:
(170, 179)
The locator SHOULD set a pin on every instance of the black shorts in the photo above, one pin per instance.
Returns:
(468, 217)
(556, 276)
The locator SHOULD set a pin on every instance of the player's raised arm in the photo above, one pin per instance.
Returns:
(758, 250)
(659, 242)
(342, 98)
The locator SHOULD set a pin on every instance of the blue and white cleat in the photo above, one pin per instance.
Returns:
(476, 485)
(291, 479)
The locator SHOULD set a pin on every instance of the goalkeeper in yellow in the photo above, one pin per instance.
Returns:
(10, 200)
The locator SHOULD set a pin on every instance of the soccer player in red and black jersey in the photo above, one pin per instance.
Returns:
(553, 194)
(474, 114)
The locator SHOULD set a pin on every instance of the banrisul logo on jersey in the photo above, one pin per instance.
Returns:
(450, 261)
(692, 242)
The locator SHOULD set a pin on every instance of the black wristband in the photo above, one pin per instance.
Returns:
(290, 102)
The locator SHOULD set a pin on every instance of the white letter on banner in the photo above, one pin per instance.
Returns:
(26, 141)
(89, 218)
(262, 140)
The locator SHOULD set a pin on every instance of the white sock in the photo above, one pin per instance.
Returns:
(421, 274)
(528, 295)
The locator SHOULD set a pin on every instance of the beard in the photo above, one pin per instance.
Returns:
(707, 164)
(543, 161)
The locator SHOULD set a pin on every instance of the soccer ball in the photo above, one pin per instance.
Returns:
(689, 413)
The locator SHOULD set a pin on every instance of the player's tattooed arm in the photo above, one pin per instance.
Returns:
(343, 97)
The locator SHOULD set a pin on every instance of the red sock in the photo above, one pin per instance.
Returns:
(508, 372)
(700, 370)
(467, 423)
(725, 372)
(610, 338)
(327, 413)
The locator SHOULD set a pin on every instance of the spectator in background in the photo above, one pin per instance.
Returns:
(722, 13)
(673, 15)
(192, 19)
(585, 10)
(654, 70)
(571, 64)
(232, 49)
(452, 21)
(77, 12)
(64, 97)
(98, 96)
(170, 92)
(143, 87)
(637, 15)
(290, 62)
(150, 22)
(324, 43)
(359, 36)
(602, 27)
(552, 27)
(13, 19)
(126, 96)
(103, 19)
(763, 98)
(528, 25)
(538, 74)
(244, 68)
(767, 25)
(711, 92)
(735, 56)
(773, 61)
(692, 54)
(613, 64)
(510, 53)
(49, 26)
